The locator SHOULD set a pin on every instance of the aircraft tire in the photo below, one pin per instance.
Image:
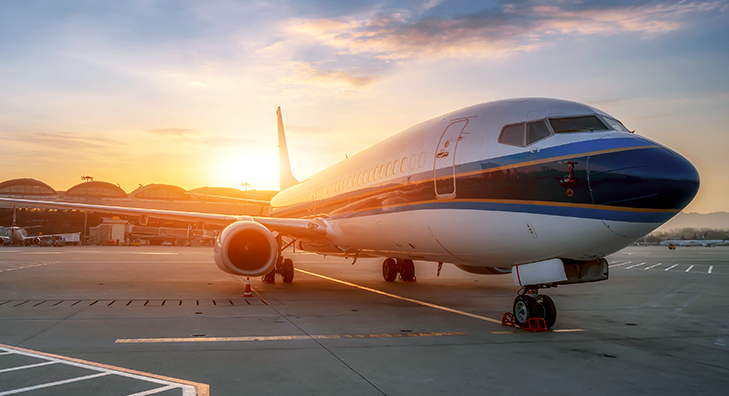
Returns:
(407, 270)
(548, 311)
(288, 271)
(525, 308)
(389, 270)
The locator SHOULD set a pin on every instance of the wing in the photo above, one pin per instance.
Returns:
(296, 228)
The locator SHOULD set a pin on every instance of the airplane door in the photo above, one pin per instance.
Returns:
(444, 170)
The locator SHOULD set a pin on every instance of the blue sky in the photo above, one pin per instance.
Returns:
(185, 92)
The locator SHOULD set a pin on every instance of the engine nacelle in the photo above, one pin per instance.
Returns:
(246, 248)
(483, 270)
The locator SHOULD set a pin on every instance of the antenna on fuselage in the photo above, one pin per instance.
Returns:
(286, 178)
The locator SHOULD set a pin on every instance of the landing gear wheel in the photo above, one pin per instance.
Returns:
(525, 308)
(547, 310)
(389, 270)
(407, 270)
(288, 271)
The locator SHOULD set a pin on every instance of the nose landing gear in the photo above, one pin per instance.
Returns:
(530, 304)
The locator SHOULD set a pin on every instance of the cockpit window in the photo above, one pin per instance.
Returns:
(512, 135)
(536, 131)
(616, 125)
(577, 124)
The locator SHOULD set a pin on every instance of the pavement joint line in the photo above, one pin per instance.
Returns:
(26, 367)
(282, 338)
(189, 388)
(412, 300)
(55, 383)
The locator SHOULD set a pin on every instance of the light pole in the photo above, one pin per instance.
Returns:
(86, 213)
(245, 186)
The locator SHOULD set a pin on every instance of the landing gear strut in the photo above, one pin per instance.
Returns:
(405, 267)
(530, 304)
(284, 267)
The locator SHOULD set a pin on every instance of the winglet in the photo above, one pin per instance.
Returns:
(286, 178)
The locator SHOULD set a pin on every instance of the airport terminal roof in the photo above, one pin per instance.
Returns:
(96, 189)
(161, 191)
(25, 187)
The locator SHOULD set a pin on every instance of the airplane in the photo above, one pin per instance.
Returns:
(542, 189)
(696, 242)
(15, 235)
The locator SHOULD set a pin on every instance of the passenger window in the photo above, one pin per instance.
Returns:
(382, 171)
(387, 170)
(403, 164)
(512, 135)
(421, 160)
(412, 162)
(394, 166)
(537, 131)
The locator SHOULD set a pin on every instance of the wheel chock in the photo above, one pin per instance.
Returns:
(508, 319)
(535, 324)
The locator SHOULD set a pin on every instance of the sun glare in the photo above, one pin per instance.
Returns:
(258, 169)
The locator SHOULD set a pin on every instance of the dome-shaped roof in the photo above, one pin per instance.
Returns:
(96, 189)
(161, 191)
(25, 187)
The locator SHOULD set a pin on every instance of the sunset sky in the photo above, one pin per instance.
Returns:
(185, 92)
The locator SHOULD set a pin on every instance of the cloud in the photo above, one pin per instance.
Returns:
(311, 72)
(399, 36)
(172, 131)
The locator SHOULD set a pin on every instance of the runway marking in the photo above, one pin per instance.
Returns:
(26, 367)
(548, 331)
(618, 265)
(636, 265)
(281, 338)
(670, 267)
(188, 388)
(689, 268)
(27, 266)
(655, 265)
(711, 267)
(412, 300)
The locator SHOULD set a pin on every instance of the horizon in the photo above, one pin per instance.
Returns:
(185, 94)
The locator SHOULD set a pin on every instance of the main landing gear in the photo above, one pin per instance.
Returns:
(530, 304)
(284, 267)
(405, 267)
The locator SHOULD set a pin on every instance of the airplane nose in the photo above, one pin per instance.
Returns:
(636, 189)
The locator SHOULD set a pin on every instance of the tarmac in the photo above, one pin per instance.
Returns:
(166, 321)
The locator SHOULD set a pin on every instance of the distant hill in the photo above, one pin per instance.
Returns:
(716, 220)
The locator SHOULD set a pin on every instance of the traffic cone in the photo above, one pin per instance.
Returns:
(247, 292)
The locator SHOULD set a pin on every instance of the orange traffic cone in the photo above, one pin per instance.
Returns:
(247, 292)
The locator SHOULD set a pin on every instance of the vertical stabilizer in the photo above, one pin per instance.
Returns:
(286, 178)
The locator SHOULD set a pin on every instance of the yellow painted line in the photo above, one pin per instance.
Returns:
(200, 388)
(544, 331)
(412, 300)
(281, 338)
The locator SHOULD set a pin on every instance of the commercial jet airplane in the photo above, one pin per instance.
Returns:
(696, 242)
(543, 189)
(15, 235)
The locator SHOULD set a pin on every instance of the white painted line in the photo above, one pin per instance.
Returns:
(26, 367)
(153, 391)
(711, 267)
(654, 265)
(281, 338)
(6, 353)
(689, 268)
(442, 308)
(50, 384)
(618, 265)
(670, 267)
(636, 265)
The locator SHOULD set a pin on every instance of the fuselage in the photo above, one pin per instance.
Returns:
(496, 185)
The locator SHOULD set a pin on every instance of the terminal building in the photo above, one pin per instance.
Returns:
(220, 200)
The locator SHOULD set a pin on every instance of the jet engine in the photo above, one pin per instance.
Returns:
(246, 248)
(483, 270)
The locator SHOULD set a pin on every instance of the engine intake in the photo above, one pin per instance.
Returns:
(246, 248)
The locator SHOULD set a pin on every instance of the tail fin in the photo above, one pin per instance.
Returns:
(286, 178)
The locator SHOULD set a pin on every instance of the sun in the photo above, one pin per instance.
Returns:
(258, 169)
